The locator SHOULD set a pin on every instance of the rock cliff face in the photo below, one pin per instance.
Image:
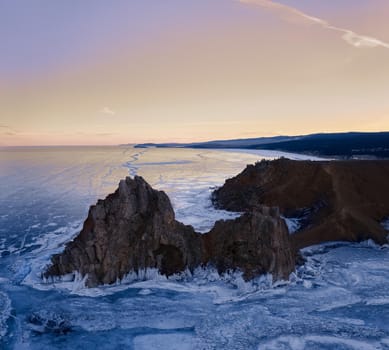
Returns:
(335, 200)
(134, 228)
(257, 243)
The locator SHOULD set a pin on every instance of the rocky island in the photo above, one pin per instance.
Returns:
(135, 228)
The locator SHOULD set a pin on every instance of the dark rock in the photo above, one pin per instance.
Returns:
(257, 243)
(44, 321)
(341, 200)
(134, 229)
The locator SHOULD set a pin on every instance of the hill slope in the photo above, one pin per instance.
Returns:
(333, 200)
(339, 145)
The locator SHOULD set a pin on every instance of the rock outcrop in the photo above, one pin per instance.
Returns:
(335, 200)
(135, 228)
(132, 229)
(257, 243)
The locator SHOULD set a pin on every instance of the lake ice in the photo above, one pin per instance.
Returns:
(338, 300)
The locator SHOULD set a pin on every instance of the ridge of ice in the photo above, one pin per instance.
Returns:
(226, 287)
(5, 314)
(305, 343)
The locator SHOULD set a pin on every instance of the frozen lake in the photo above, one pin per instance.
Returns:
(338, 300)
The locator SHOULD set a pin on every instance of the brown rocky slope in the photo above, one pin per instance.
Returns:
(135, 228)
(336, 200)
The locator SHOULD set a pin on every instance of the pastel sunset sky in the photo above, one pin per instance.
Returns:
(126, 71)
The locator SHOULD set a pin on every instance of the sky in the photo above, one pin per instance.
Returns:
(123, 71)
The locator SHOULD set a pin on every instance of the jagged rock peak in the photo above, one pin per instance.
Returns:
(130, 230)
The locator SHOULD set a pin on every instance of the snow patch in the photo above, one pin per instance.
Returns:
(171, 341)
(340, 303)
(193, 205)
(293, 224)
(377, 301)
(269, 154)
(5, 314)
(316, 341)
(34, 263)
(145, 291)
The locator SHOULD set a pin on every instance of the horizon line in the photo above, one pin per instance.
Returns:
(192, 142)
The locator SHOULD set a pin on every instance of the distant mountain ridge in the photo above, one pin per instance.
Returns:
(234, 143)
(342, 145)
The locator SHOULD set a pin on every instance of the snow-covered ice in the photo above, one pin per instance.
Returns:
(337, 300)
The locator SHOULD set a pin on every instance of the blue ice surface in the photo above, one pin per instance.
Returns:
(337, 300)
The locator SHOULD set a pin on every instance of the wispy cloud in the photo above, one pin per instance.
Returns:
(7, 130)
(108, 111)
(291, 13)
